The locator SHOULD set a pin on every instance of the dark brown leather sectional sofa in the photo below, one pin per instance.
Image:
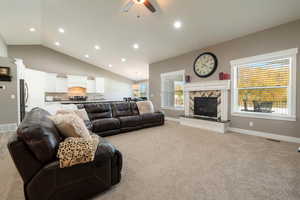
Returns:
(113, 118)
(34, 152)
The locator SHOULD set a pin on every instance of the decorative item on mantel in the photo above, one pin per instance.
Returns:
(224, 76)
(5, 74)
(187, 78)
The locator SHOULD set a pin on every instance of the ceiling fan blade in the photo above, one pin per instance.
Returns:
(149, 6)
(128, 6)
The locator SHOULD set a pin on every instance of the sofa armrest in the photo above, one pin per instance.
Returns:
(53, 182)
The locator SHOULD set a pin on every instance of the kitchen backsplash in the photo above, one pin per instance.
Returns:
(65, 96)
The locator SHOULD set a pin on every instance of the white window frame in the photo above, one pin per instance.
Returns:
(290, 53)
(162, 76)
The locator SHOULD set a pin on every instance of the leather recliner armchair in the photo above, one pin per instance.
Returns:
(34, 154)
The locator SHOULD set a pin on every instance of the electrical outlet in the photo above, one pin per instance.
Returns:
(251, 124)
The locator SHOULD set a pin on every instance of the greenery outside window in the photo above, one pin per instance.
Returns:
(264, 86)
(172, 90)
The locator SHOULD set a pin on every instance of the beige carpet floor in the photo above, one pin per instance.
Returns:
(182, 163)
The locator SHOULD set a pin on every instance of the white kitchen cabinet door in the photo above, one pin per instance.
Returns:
(61, 84)
(91, 86)
(50, 82)
(36, 82)
(77, 81)
(99, 85)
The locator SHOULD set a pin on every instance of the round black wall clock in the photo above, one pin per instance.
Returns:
(205, 64)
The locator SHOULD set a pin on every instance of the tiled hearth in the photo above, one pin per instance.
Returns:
(219, 89)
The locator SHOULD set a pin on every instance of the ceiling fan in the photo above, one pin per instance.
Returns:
(148, 5)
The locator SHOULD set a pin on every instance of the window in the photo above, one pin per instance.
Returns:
(172, 87)
(264, 86)
(140, 89)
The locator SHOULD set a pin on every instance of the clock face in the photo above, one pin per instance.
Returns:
(205, 65)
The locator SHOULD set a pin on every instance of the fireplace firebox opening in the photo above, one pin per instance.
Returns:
(206, 106)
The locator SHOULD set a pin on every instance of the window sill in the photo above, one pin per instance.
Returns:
(172, 108)
(264, 116)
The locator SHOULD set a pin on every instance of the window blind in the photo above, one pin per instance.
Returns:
(263, 86)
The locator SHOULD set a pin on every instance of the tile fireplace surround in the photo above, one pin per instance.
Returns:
(219, 89)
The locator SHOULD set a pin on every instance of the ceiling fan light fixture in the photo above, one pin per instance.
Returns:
(139, 1)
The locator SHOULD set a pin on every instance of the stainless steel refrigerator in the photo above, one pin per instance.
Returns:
(23, 98)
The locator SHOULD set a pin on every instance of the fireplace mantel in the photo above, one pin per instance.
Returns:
(208, 85)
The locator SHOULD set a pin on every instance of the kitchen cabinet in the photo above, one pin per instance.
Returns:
(99, 85)
(61, 84)
(50, 82)
(77, 81)
(91, 86)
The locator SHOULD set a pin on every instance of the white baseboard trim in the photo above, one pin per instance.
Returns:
(4, 128)
(172, 119)
(265, 135)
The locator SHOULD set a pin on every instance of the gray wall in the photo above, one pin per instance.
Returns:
(3, 47)
(275, 39)
(44, 59)
(8, 106)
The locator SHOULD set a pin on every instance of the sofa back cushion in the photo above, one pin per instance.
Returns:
(98, 110)
(40, 135)
(134, 108)
(122, 109)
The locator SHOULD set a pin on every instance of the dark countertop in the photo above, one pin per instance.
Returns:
(81, 102)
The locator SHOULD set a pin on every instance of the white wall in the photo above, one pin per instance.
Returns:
(116, 90)
(3, 47)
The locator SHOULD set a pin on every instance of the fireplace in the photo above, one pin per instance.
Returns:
(206, 106)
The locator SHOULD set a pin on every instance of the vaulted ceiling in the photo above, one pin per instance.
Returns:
(101, 22)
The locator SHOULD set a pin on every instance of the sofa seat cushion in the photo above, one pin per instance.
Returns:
(130, 121)
(152, 117)
(105, 124)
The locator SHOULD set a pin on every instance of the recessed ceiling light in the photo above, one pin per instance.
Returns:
(57, 43)
(136, 46)
(32, 30)
(123, 59)
(86, 55)
(110, 65)
(177, 24)
(61, 30)
(97, 47)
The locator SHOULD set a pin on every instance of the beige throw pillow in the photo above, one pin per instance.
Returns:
(80, 113)
(145, 107)
(70, 125)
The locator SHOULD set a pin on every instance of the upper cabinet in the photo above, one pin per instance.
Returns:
(77, 81)
(51, 82)
(91, 86)
(61, 84)
(99, 85)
